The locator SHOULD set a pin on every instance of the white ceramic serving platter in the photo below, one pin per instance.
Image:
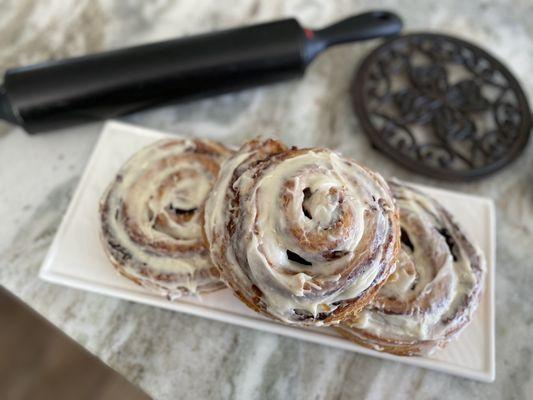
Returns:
(76, 259)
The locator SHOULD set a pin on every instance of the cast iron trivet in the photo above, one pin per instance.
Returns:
(441, 106)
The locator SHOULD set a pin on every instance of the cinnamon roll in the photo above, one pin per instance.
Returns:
(433, 292)
(152, 213)
(302, 236)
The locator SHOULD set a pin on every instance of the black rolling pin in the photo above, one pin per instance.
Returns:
(106, 85)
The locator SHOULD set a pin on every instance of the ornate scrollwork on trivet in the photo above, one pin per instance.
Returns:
(441, 106)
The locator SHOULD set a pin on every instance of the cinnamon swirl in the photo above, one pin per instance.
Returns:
(433, 292)
(302, 236)
(151, 216)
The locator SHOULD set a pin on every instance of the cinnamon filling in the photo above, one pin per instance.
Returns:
(297, 258)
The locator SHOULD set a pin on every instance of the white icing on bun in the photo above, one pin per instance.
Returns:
(436, 286)
(302, 236)
(151, 216)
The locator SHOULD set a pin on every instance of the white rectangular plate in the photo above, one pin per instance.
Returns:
(76, 259)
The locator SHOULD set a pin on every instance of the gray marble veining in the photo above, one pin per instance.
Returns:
(178, 356)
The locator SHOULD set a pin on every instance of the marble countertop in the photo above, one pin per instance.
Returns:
(171, 355)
